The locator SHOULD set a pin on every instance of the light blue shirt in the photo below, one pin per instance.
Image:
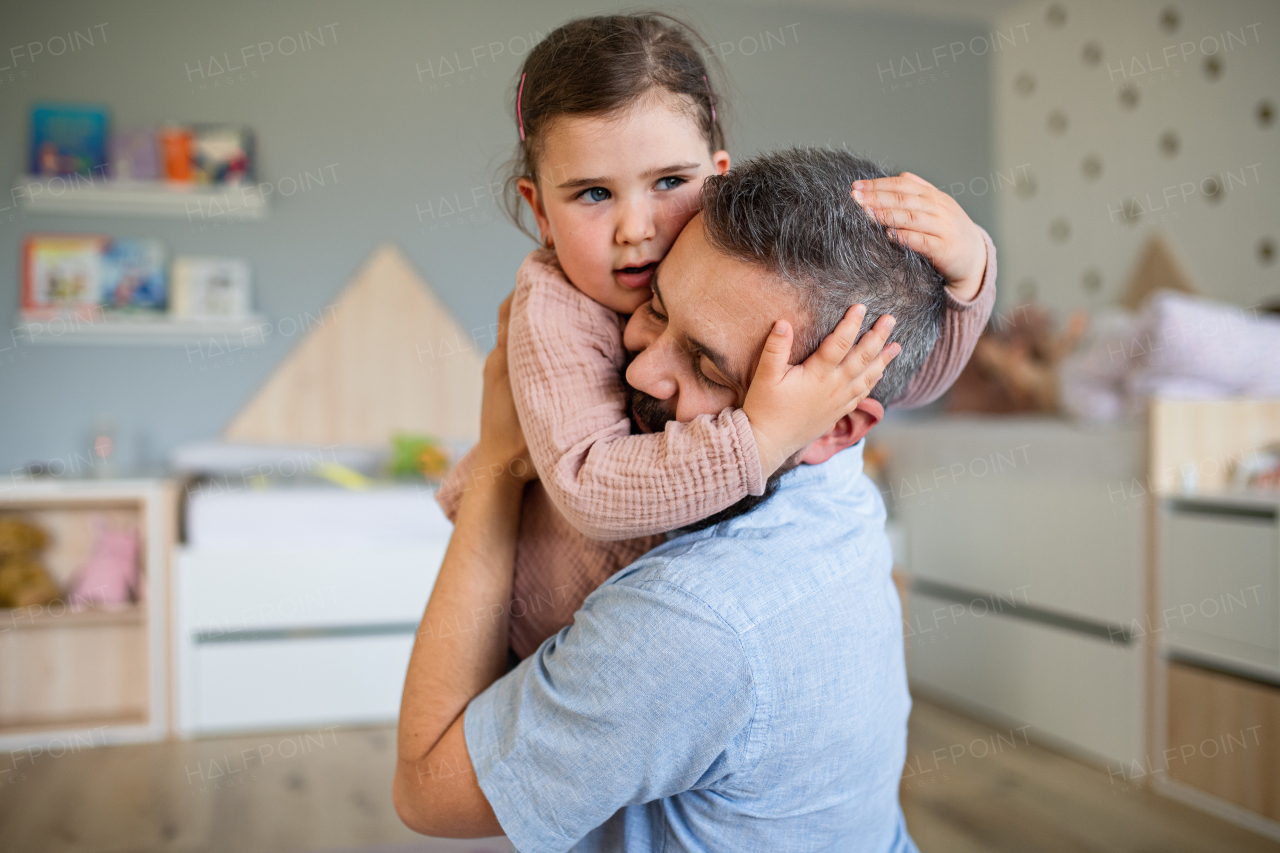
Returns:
(740, 688)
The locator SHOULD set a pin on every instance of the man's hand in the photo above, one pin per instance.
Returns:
(924, 218)
(791, 405)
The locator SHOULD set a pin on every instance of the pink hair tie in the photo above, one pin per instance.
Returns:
(711, 101)
(519, 114)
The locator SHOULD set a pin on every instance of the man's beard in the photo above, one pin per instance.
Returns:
(653, 415)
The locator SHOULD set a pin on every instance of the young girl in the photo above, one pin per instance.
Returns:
(619, 125)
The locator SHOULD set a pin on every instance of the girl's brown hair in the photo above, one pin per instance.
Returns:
(598, 65)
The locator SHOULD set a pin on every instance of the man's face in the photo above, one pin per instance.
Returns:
(699, 339)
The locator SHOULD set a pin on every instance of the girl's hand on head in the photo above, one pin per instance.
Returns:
(791, 405)
(924, 218)
(503, 450)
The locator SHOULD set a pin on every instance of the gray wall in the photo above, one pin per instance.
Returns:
(364, 109)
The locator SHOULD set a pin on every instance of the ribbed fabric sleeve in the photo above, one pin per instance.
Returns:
(961, 327)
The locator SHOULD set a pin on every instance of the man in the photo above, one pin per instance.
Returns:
(741, 687)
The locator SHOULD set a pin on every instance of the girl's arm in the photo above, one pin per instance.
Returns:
(567, 362)
(961, 327)
(932, 223)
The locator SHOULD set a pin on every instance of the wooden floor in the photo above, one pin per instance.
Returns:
(1003, 793)
(331, 791)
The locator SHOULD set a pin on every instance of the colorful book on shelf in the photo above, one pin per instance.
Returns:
(176, 142)
(221, 154)
(209, 288)
(68, 139)
(62, 274)
(134, 275)
(207, 154)
(134, 155)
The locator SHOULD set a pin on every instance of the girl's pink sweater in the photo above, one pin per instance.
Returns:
(605, 496)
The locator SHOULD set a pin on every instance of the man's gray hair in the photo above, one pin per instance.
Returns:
(791, 212)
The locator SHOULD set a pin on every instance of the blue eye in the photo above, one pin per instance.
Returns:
(676, 181)
(594, 194)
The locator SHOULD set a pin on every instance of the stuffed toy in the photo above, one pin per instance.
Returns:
(111, 574)
(1014, 367)
(23, 580)
(418, 456)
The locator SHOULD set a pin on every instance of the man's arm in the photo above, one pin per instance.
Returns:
(461, 646)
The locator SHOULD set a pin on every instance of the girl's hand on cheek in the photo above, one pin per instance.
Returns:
(504, 454)
(791, 405)
(931, 222)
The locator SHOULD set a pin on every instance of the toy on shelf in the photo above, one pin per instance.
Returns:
(111, 574)
(419, 456)
(23, 579)
(1014, 368)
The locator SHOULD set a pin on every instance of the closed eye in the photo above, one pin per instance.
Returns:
(703, 379)
(653, 312)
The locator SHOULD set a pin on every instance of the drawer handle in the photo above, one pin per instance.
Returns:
(266, 634)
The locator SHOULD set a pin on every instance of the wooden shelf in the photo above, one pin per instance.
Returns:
(133, 330)
(160, 199)
(77, 731)
(98, 674)
(28, 619)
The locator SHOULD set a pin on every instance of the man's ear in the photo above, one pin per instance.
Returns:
(847, 432)
(529, 190)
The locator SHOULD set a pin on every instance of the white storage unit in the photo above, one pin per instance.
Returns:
(1220, 579)
(299, 607)
(1024, 537)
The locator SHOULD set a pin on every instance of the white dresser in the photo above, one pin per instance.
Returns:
(1220, 581)
(298, 607)
(1024, 537)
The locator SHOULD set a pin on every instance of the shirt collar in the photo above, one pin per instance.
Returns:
(838, 475)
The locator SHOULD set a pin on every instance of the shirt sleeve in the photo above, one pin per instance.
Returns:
(961, 328)
(566, 360)
(643, 697)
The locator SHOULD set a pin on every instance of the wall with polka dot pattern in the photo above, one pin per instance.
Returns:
(1118, 119)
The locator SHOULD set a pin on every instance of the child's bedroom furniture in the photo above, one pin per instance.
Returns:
(1025, 542)
(73, 677)
(1055, 567)
(1216, 719)
(297, 604)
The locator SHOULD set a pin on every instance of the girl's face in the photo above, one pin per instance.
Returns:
(614, 192)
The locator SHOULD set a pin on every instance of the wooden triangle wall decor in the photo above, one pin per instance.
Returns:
(386, 357)
(1158, 269)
